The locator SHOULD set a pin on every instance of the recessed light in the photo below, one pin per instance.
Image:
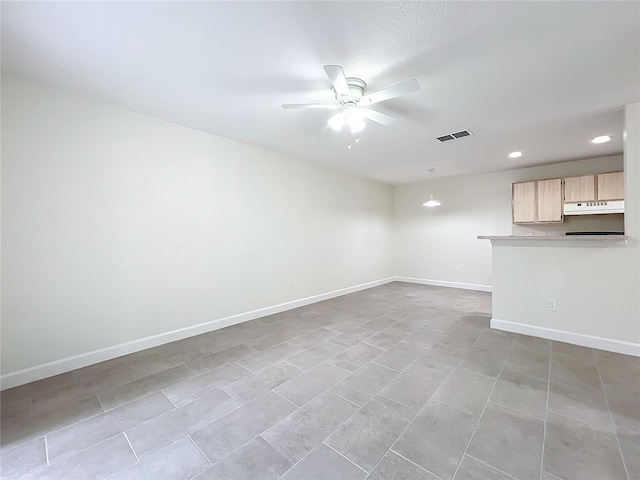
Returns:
(601, 139)
(515, 154)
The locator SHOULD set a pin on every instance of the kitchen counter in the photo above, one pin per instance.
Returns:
(558, 240)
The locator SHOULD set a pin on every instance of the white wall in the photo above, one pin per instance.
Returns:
(432, 242)
(116, 226)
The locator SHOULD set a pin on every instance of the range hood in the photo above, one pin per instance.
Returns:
(594, 208)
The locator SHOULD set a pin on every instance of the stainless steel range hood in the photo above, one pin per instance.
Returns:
(594, 208)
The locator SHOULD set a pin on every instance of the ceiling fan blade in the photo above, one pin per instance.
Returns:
(381, 118)
(338, 80)
(402, 88)
(330, 106)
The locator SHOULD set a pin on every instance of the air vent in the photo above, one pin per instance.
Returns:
(453, 136)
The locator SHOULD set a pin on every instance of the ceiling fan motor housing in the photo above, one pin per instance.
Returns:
(356, 91)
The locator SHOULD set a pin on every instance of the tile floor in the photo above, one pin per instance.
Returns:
(397, 382)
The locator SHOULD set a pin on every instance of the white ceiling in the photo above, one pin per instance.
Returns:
(541, 77)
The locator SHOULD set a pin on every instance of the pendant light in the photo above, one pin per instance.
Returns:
(432, 202)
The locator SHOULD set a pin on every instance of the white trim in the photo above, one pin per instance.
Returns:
(443, 283)
(56, 367)
(582, 339)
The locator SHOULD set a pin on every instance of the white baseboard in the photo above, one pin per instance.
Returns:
(56, 367)
(443, 283)
(600, 343)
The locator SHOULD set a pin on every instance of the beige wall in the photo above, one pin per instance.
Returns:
(117, 226)
(432, 242)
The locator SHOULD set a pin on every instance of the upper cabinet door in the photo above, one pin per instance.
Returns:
(524, 202)
(580, 189)
(549, 200)
(611, 186)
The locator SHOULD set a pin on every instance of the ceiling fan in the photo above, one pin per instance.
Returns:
(353, 104)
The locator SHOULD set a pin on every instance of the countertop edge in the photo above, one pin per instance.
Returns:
(568, 240)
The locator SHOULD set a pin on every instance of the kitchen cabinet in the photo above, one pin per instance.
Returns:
(589, 188)
(538, 201)
(611, 186)
(580, 189)
(549, 200)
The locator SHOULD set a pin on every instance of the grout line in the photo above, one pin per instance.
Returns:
(506, 407)
(131, 446)
(615, 428)
(490, 466)
(201, 452)
(351, 461)
(414, 463)
(233, 397)
(504, 362)
(194, 373)
(46, 450)
(546, 412)
(165, 396)
(344, 398)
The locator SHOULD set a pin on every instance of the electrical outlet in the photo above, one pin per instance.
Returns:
(551, 304)
(290, 283)
(456, 270)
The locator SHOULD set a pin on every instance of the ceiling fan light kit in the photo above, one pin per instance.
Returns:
(352, 101)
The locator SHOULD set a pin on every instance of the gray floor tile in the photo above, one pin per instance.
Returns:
(17, 431)
(573, 450)
(465, 390)
(495, 340)
(575, 368)
(46, 385)
(387, 338)
(365, 383)
(400, 356)
(256, 460)
(128, 392)
(218, 359)
(414, 386)
(436, 439)
(473, 469)
(580, 402)
(522, 393)
(273, 339)
(367, 435)
(416, 336)
(423, 338)
(88, 432)
(196, 387)
(19, 461)
(315, 355)
(524, 360)
(441, 358)
(380, 323)
(484, 361)
(352, 337)
(313, 338)
(355, 357)
(312, 383)
(300, 432)
(165, 429)
(258, 384)
(630, 445)
(98, 461)
(224, 435)
(324, 464)
(624, 404)
(394, 467)
(268, 357)
(84, 387)
(179, 461)
(509, 441)
(620, 374)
